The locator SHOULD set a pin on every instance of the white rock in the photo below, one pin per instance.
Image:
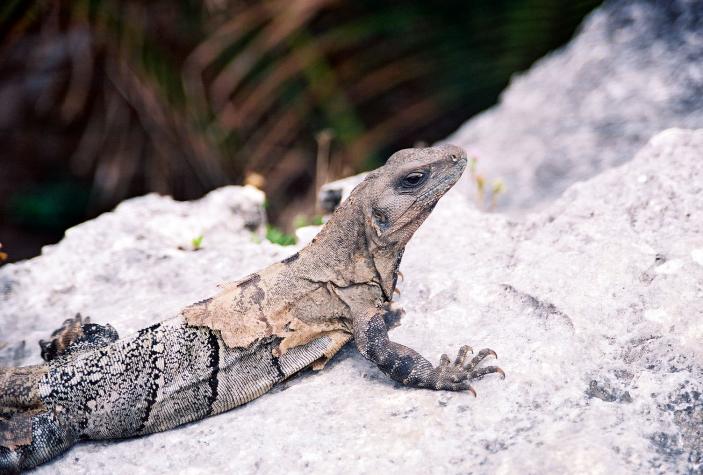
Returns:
(656, 315)
(304, 234)
(669, 267)
(603, 353)
(697, 256)
(632, 70)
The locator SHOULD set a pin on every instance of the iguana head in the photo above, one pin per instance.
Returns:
(366, 236)
(396, 198)
(402, 193)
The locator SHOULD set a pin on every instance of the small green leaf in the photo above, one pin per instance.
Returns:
(197, 242)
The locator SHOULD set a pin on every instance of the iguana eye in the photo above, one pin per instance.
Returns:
(413, 179)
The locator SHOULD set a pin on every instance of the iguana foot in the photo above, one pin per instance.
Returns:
(75, 335)
(456, 375)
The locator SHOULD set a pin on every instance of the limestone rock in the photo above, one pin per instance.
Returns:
(594, 306)
(634, 69)
(133, 266)
(331, 194)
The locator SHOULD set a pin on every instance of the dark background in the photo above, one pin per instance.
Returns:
(103, 100)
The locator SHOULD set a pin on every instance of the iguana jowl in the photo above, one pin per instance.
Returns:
(232, 348)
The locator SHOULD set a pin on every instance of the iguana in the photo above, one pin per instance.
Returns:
(229, 349)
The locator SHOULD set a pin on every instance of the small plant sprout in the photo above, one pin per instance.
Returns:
(480, 190)
(497, 187)
(197, 242)
(473, 163)
(299, 221)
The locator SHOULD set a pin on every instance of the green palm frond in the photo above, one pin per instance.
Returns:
(182, 96)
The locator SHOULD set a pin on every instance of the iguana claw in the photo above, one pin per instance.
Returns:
(455, 376)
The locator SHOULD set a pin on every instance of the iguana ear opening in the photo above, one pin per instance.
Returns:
(379, 221)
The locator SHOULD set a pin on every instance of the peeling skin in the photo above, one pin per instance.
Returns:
(351, 266)
(343, 281)
(246, 312)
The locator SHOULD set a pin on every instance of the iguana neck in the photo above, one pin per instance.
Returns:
(345, 253)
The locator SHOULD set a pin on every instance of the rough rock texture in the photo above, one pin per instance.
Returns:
(331, 194)
(135, 265)
(594, 305)
(636, 68)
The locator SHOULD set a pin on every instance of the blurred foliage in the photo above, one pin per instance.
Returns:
(277, 236)
(182, 96)
(50, 205)
(302, 220)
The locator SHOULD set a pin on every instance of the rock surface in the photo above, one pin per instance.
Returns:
(135, 265)
(635, 69)
(594, 305)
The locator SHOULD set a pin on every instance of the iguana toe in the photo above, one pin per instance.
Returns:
(456, 375)
(481, 372)
(461, 356)
(482, 355)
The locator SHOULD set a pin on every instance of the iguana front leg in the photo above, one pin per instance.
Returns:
(76, 335)
(408, 367)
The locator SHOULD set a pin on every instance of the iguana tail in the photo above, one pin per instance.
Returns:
(19, 387)
(28, 433)
(45, 440)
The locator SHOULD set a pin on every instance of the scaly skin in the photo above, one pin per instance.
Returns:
(163, 376)
(227, 350)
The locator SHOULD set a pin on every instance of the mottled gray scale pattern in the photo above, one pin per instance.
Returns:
(49, 438)
(184, 366)
(108, 392)
(247, 374)
(163, 376)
